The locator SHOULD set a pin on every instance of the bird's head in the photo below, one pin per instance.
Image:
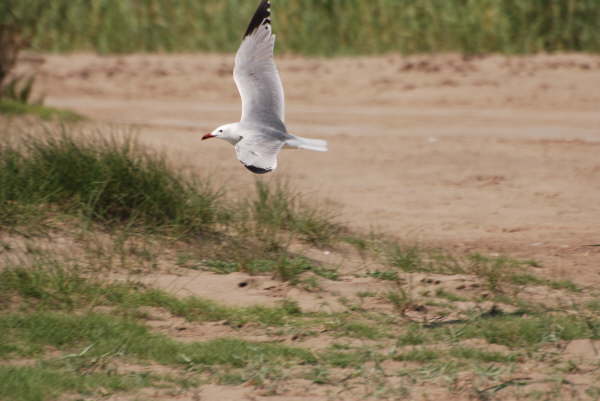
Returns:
(226, 132)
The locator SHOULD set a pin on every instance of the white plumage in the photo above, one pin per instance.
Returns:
(261, 132)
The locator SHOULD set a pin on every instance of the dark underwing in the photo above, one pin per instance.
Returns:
(257, 170)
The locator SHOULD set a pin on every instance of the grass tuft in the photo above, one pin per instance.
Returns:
(279, 207)
(408, 259)
(108, 180)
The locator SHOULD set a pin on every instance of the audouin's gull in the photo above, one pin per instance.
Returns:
(261, 132)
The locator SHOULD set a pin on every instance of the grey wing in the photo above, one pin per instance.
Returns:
(258, 153)
(256, 75)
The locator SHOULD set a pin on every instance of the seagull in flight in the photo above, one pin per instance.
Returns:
(261, 132)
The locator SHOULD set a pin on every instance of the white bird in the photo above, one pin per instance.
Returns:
(261, 132)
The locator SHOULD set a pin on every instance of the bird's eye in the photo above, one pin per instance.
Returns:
(221, 131)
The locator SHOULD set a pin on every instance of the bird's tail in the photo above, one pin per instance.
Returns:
(298, 142)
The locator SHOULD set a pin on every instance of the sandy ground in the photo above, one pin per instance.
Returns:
(495, 154)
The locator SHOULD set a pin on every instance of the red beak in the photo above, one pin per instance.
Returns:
(207, 136)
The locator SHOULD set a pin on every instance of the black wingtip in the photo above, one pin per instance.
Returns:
(262, 15)
(257, 170)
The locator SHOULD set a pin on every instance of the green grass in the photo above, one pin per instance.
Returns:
(284, 267)
(119, 185)
(408, 259)
(25, 383)
(13, 107)
(357, 329)
(50, 286)
(482, 355)
(87, 342)
(419, 355)
(280, 207)
(107, 180)
(530, 279)
(107, 334)
(414, 335)
(290, 268)
(330, 27)
(496, 273)
(424, 355)
(413, 259)
(563, 285)
(347, 359)
(594, 305)
(389, 275)
(514, 331)
(450, 296)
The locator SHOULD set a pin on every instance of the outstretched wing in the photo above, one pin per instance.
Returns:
(256, 75)
(258, 153)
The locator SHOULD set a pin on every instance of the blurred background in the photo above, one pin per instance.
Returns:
(311, 27)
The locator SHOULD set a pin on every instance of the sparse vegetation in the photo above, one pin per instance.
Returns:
(110, 334)
(100, 336)
(481, 355)
(117, 182)
(440, 292)
(34, 383)
(412, 336)
(418, 355)
(282, 266)
(390, 275)
(357, 329)
(408, 259)
(49, 286)
(518, 331)
(348, 358)
(279, 207)
(68, 331)
(411, 259)
(515, 331)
